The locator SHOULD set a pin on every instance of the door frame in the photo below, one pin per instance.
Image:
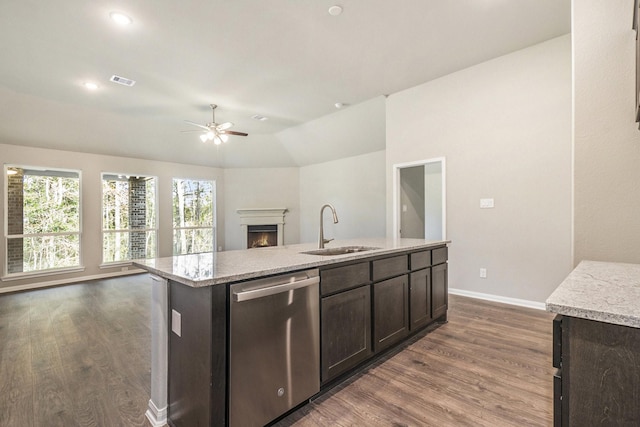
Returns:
(396, 192)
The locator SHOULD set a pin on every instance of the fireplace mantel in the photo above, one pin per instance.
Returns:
(262, 216)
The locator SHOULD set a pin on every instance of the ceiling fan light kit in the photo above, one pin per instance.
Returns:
(215, 132)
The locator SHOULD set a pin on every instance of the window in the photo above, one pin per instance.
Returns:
(128, 217)
(193, 216)
(42, 219)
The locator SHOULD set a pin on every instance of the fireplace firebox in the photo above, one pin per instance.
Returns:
(260, 236)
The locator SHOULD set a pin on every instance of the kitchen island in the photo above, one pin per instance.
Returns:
(368, 300)
(596, 345)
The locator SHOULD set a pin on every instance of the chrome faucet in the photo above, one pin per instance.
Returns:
(321, 239)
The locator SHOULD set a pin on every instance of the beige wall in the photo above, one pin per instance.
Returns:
(504, 127)
(356, 188)
(91, 166)
(260, 188)
(606, 139)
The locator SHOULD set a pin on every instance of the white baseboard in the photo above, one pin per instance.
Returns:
(50, 283)
(157, 417)
(498, 298)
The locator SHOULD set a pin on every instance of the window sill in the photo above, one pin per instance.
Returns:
(43, 273)
(115, 264)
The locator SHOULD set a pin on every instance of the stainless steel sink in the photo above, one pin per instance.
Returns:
(339, 251)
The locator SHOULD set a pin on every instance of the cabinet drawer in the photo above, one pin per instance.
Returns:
(349, 276)
(420, 260)
(439, 256)
(389, 267)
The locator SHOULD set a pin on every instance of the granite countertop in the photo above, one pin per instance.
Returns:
(215, 268)
(603, 291)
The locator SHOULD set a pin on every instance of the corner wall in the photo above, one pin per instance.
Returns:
(355, 186)
(260, 188)
(607, 139)
(504, 127)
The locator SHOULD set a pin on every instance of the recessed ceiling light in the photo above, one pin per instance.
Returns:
(120, 18)
(340, 105)
(335, 10)
(90, 85)
(259, 117)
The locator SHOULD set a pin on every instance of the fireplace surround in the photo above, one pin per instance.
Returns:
(272, 217)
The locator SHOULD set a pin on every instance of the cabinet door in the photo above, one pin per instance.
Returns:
(346, 331)
(439, 290)
(420, 298)
(390, 311)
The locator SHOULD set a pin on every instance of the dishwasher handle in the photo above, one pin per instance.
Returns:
(272, 290)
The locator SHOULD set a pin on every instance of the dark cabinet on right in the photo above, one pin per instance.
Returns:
(428, 290)
(597, 381)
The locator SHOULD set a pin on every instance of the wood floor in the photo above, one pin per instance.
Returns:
(79, 355)
(76, 355)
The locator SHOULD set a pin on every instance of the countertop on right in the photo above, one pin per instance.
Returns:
(602, 291)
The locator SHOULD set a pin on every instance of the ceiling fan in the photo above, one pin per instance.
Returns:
(218, 133)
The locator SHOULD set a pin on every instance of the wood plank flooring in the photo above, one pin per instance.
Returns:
(79, 355)
(490, 365)
(76, 355)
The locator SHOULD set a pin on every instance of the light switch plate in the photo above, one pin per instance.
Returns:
(486, 203)
(176, 323)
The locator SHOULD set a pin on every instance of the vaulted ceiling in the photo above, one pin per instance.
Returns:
(290, 61)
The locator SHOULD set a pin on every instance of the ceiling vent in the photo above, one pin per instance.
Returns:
(122, 80)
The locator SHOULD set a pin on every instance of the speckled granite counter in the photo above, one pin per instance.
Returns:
(602, 291)
(209, 269)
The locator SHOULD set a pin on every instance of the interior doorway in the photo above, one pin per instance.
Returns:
(419, 207)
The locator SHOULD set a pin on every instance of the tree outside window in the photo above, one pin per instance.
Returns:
(193, 216)
(43, 219)
(128, 217)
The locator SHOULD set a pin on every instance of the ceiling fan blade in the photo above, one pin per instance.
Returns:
(197, 124)
(232, 132)
(224, 126)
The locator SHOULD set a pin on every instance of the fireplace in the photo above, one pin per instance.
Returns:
(261, 236)
(262, 227)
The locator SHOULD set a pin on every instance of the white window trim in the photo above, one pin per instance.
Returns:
(214, 200)
(52, 271)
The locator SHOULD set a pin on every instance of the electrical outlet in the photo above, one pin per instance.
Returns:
(486, 203)
(176, 323)
(483, 273)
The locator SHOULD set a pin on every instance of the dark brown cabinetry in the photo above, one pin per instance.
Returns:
(345, 329)
(439, 290)
(597, 381)
(420, 294)
(391, 311)
(368, 307)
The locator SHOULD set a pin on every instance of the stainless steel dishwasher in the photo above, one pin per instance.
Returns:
(274, 346)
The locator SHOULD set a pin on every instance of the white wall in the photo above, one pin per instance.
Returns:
(504, 127)
(356, 188)
(261, 188)
(92, 166)
(606, 139)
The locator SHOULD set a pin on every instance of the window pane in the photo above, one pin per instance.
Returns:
(44, 253)
(193, 206)
(128, 204)
(192, 241)
(115, 205)
(51, 203)
(41, 202)
(115, 246)
(192, 203)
